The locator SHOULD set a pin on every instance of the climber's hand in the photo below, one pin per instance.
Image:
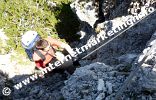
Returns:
(76, 63)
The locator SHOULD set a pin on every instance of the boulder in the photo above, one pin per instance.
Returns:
(92, 82)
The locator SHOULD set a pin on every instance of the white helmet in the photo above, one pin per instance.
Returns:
(29, 39)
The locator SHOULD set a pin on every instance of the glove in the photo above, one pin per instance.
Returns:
(60, 56)
(76, 63)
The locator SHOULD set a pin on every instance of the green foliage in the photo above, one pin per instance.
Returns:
(19, 16)
(61, 1)
(4, 49)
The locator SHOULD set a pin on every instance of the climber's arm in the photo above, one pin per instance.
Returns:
(60, 44)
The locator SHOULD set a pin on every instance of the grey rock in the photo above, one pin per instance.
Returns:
(127, 58)
(83, 85)
(109, 87)
(148, 76)
(51, 4)
(35, 90)
(41, 92)
(101, 85)
(85, 10)
(100, 96)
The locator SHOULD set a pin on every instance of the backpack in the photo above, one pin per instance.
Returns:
(30, 53)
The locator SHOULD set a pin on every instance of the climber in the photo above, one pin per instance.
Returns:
(44, 51)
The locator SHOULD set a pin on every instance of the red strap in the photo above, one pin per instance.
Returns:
(39, 64)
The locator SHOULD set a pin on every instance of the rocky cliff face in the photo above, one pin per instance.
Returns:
(148, 73)
(93, 82)
(98, 81)
(132, 41)
(101, 75)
